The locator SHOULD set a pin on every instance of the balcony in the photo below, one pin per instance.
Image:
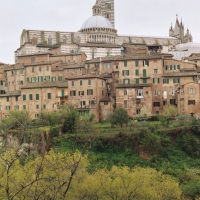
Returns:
(59, 95)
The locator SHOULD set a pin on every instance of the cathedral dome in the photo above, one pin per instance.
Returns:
(97, 22)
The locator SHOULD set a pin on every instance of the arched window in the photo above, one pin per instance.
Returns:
(49, 40)
(64, 39)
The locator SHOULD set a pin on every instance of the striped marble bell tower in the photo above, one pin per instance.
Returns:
(108, 10)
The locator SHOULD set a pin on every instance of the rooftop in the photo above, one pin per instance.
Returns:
(46, 84)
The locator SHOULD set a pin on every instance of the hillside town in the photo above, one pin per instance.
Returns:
(97, 70)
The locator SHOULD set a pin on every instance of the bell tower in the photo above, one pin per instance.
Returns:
(107, 10)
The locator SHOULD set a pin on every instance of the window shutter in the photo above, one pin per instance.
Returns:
(147, 62)
(123, 73)
(166, 67)
(92, 92)
(128, 72)
(158, 80)
(128, 81)
(188, 102)
(178, 80)
(170, 67)
(153, 80)
(178, 66)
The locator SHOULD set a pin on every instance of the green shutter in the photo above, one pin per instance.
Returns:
(136, 63)
(144, 80)
(37, 97)
(147, 62)
(63, 92)
(158, 80)
(188, 102)
(137, 80)
(170, 67)
(125, 63)
(24, 97)
(144, 73)
(153, 80)
(27, 79)
(137, 72)
(49, 95)
(128, 72)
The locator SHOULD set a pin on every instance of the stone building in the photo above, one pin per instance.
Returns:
(179, 32)
(97, 37)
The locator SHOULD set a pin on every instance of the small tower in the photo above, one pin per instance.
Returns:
(97, 10)
(171, 31)
(182, 31)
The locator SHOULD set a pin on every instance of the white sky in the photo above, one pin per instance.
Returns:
(132, 17)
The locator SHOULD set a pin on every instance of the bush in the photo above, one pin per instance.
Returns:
(119, 117)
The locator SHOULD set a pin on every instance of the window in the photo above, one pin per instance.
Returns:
(47, 68)
(96, 65)
(16, 98)
(138, 111)
(37, 96)
(155, 71)
(102, 83)
(126, 81)
(145, 63)
(92, 102)
(125, 63)
(49, 40)
(16, 107)
(105, 103)
(73, 83)
(37, 106)
(81, 82)
(73, 93)
(125, 92)
(144, 81)
(137, 72)
(32, 59)
(156, 80)
(21, 71)
(139, 93)
(47, 78)
(44, 106)
(24, 97)
(125, 104)
(191, 90)
(40, 78)
(24, 107)
(7, 99)
(53, 78)
(165, 81)
(137, 80)
(156, 92)
(36, 116)
(33, 79)
(125, 72)
(107, 65)
(156, 104)
(7, 107)
(176, 67)
(172, 101)
(21, 82)
(27, 80)
(40, 68)
(88, 66)
(89, 82)
(116, 67)
(191, 102)
(102, 92)
(136, 63)
(165, 94)
(90, 92)
(81, 93)
(164, 103)
(30, 97)
(176, 80)
(33, 69)
(168, 67)
(173, 91)
(49, 95)
(60, 78)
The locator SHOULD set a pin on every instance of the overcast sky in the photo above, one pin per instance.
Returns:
(132, 17)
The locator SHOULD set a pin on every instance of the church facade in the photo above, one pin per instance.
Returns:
(97, 37)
